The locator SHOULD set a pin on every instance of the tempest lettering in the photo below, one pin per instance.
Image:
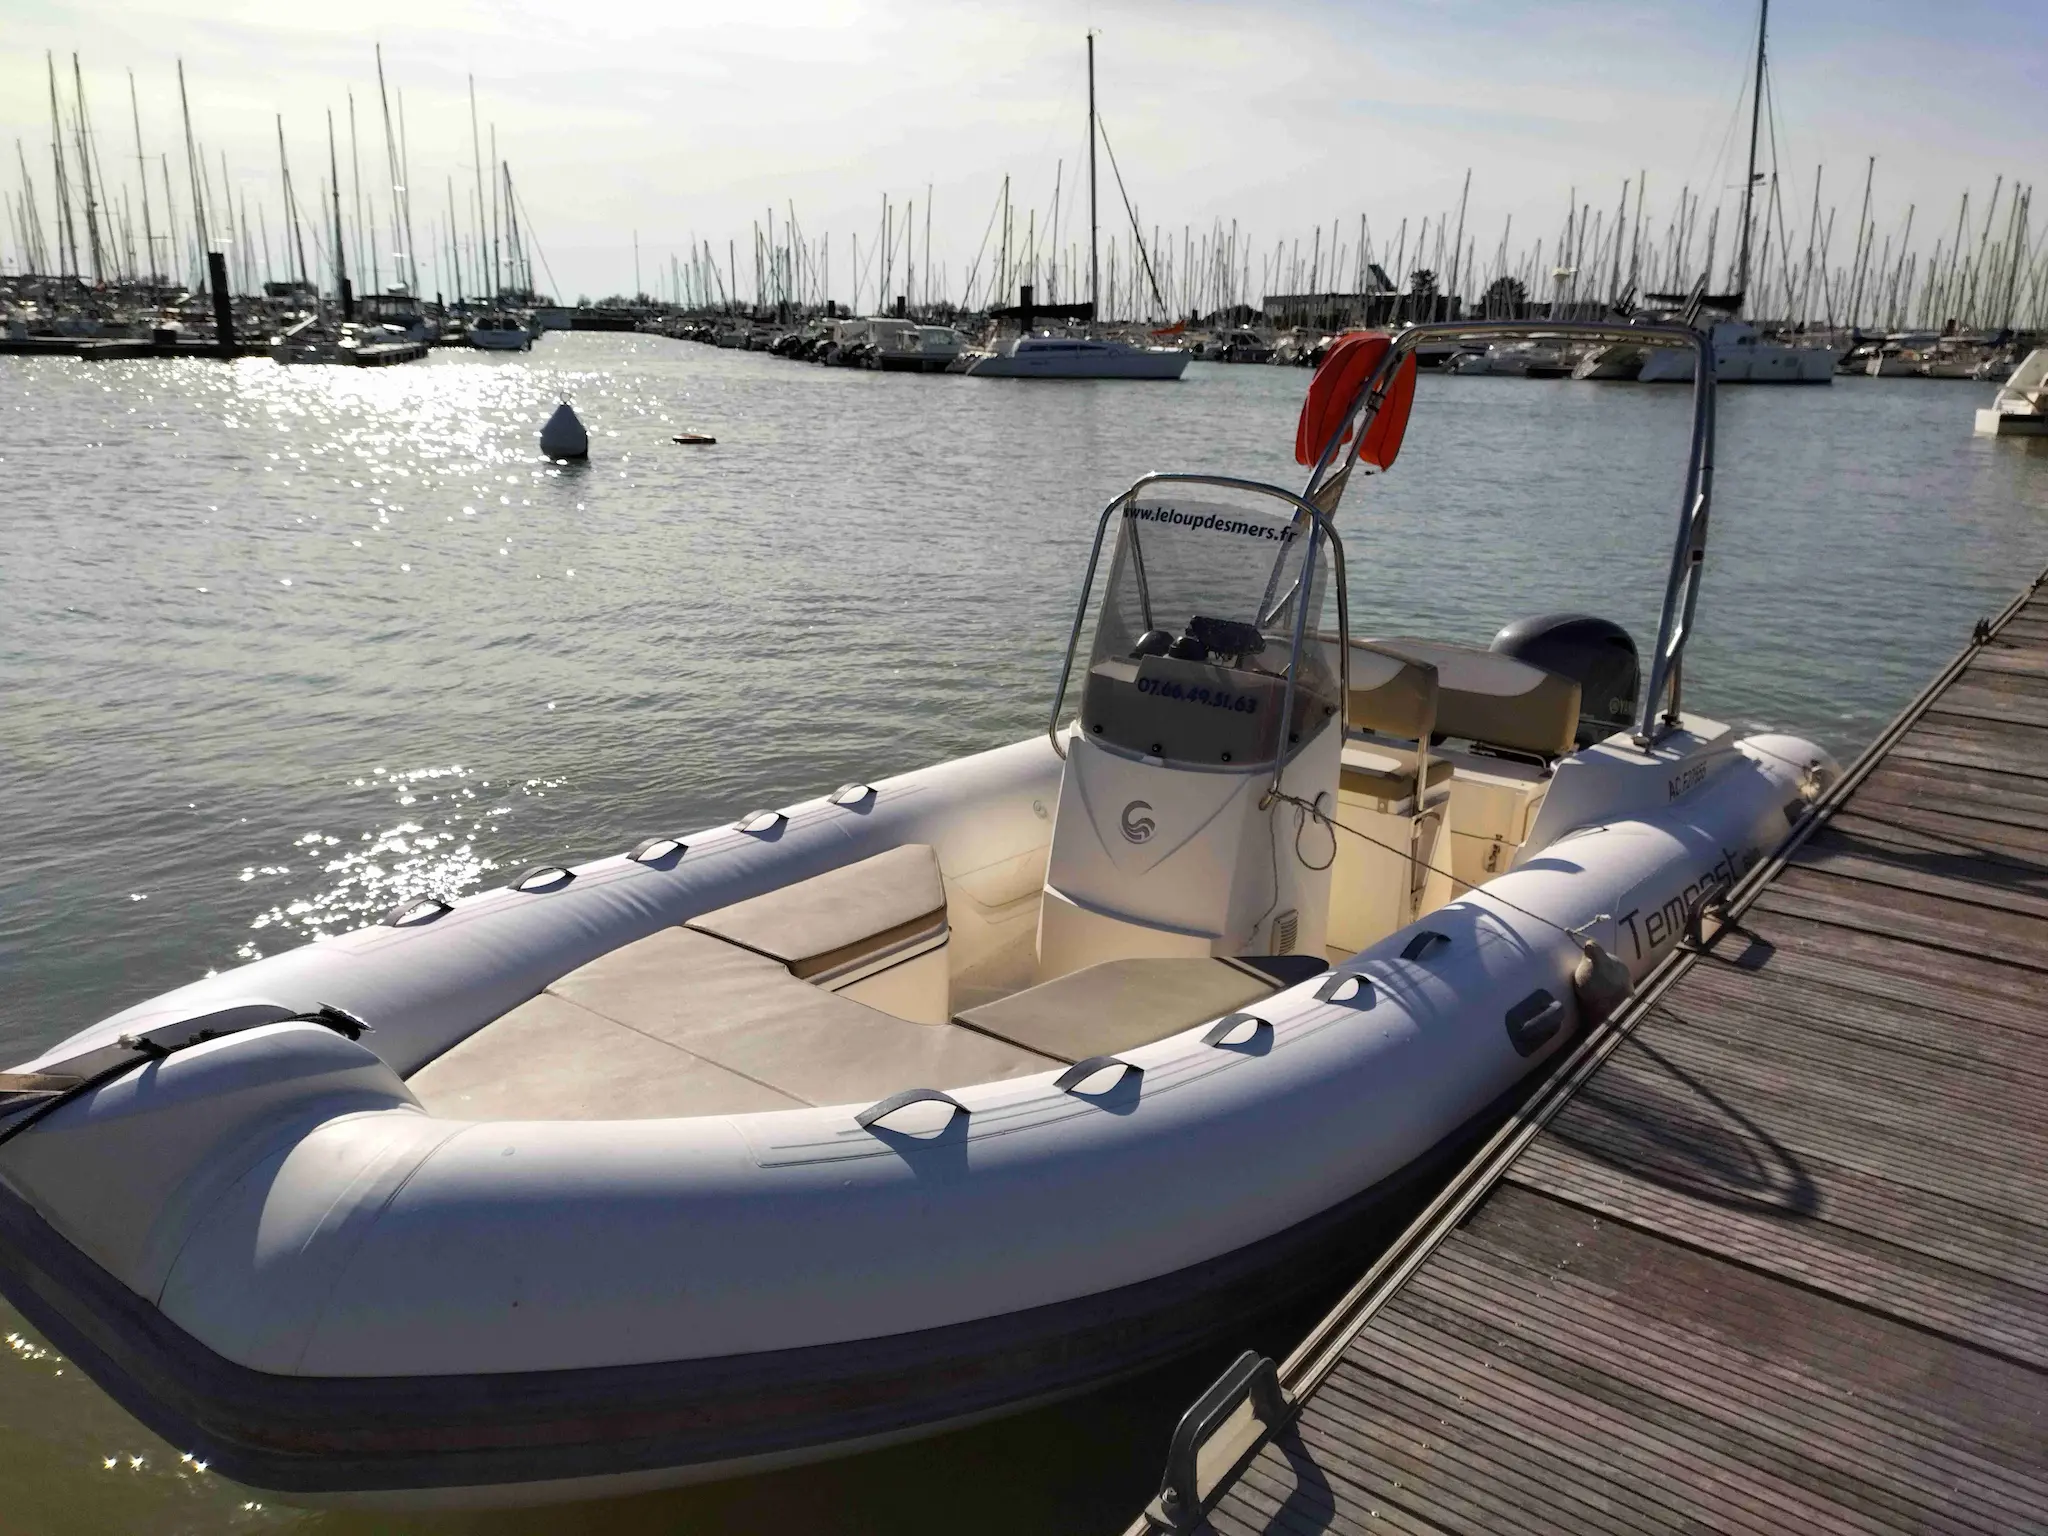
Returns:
(1649, 928)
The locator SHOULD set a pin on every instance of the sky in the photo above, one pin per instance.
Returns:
(681, 122)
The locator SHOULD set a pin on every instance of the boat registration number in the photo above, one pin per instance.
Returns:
(1215, 698)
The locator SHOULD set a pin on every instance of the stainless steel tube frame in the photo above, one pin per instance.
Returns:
(1319, 528)
(1688, 556)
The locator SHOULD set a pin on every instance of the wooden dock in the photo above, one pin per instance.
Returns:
(378, 354)
(109, 349)
(1769, 1252)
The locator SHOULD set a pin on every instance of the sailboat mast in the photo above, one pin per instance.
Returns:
(398, 278)
(1094, 264)
(519, 269)
(65, 224)
(1756, 112)
(202, 241)
(83, 133)
(454, 243)
(32, 220)
(497, 273)
(355, 181)
(291, 207)
(477, 155)
(142, 174)
(405, 172)
(341, 293)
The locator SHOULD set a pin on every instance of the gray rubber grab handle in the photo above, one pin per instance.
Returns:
(886, 1107)
(1231, 1023)
(1081, 1071)
(643, 852)
(411, 912)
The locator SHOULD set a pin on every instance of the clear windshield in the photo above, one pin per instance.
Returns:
(1195, 637)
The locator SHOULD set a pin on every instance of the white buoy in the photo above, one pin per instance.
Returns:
(563, 437)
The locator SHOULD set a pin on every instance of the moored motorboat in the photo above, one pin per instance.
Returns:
(1539, 359)
(313, 341)
(914, 1103)
(905, 346)
(1609, 362)
(1055, 355)
(2020, 408)
(1744, 355)
(499, 332)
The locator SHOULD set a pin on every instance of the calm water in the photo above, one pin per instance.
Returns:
(280, 645)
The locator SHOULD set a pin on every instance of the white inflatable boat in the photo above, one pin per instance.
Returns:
(919, 1102)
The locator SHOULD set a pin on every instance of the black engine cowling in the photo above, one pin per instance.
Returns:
(1596, 653)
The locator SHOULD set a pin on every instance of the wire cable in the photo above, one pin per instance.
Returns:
(1307, 809)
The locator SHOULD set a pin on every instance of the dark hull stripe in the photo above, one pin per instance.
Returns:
(347, 1435)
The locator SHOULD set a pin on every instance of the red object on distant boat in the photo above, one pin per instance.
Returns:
(1334, 389)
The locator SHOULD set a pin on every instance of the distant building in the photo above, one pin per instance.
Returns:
(1328, 311)
(1380, 304)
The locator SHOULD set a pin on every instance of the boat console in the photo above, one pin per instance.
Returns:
(1213, 689)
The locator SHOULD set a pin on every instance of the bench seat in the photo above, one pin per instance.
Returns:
(1380, 772)
(1102, 1009)
(682, 1023)
(845, 920)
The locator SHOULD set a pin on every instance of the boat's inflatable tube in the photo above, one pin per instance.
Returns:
(267, 1250)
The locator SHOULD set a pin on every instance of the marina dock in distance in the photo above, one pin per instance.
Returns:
(1769, 1251)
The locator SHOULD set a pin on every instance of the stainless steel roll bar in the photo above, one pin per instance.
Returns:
(1688, 556)
(1319, 529)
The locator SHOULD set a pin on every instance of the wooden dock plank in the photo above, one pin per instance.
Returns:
(1915, 828)
(1924, 919)
(1980, 794)
(1973, 998)
(1779, 1261)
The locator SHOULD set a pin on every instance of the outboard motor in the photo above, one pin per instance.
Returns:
(1214, 677)
(1595, 653)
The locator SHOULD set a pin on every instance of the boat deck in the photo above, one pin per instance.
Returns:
(1769, 1252)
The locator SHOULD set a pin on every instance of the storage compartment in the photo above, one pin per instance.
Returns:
(1494, 801)
(1385, 878)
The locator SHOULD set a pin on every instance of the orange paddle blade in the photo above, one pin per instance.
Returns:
(1326, 411)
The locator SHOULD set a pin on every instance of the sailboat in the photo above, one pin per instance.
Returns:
(1742, 353)
(1029, 354)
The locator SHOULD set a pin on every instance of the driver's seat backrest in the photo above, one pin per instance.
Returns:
(1390, 694)
(1494, 700)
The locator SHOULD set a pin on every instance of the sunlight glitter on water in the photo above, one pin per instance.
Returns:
(338, 885)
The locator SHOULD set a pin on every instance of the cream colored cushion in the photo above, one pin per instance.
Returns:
(1389, 694)
(748, 1014)
(1495, 700)
(1111, 1007)
(895, 901)
(549, 1059)
(1380, 773)
(681, 1023)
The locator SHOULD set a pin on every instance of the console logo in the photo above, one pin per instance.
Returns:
(1137, 828)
